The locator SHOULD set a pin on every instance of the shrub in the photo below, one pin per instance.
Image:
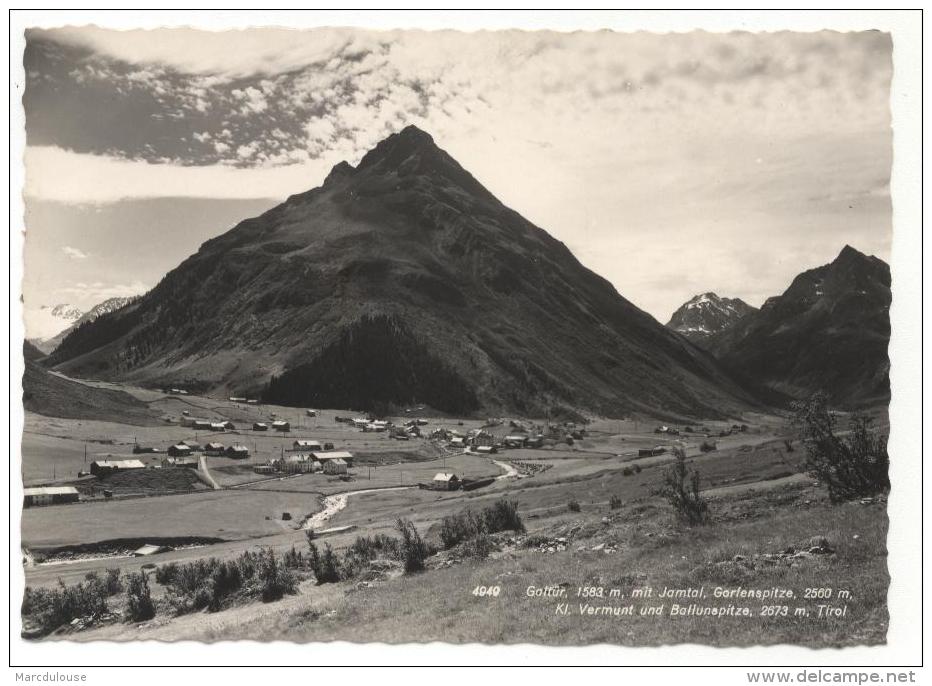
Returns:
(502, 516)
(113, 583)
(478, 546)
(850, 466)
(708, 446)
(275, 580)
(326, 566)
(573, 505)
(614, 502)
(637, 469)
(165, 574)
(413, 550)
(365, 549)
(788, 444)
(139, 605)
(293, 559)
(681, 489)
(627, 471)
(52, 608)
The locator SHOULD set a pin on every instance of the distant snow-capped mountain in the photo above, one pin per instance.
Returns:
(708, 314)
(48, 320)
(72, 318)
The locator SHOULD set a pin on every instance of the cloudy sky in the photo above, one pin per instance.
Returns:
(671, 164)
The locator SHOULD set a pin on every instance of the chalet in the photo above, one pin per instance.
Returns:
(335, 466)
(458, 442)
(213, 449)
(143, 450)
(260, 426)
(237, 452)
(195, 447)
(218, 426)
(101, 468)
(179, 450)
(486, 449)
(280, 425)
(360, 423)
(201, 425)
(306, 445)
(376, 426)
(515, 441)
(445, 482)
(49, 495)
(229, 426)
(311, 413)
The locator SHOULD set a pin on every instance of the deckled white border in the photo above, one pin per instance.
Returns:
(906, 418)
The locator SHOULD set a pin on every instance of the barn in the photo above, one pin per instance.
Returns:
(49, 495)
(281, 425)
(335, 466)
(100, 468)
(306, 445)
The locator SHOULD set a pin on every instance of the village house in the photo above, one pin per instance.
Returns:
(218, 426)
(445, 482)
(237, 451)
(101, 468)
(280, 425)
(264, 469)
(486, 449)
(306, 445)
(201, 425)
(213, 449)
(179, 450)
(49, 495)
(195, 447)
(260, 426)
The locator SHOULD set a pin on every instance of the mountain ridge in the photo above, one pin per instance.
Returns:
(405, 252)
(828, 331)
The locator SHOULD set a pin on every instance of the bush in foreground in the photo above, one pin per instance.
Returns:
(53, 608)
(326, 565)
(681, 489)
(852, 466)
(500, 516)
(139, 605)
(413, 550)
